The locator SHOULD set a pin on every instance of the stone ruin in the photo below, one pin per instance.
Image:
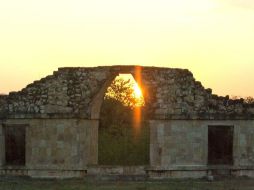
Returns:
(50, 128)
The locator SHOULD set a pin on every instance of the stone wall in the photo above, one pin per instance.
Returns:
(62, 144)
(169, 94)
(176, 144)
(2, 147)
(64, 92)
(245, 156)
(62, 113)
(3, 106)
(180, 96)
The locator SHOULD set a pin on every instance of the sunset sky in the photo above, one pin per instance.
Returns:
(212, 38)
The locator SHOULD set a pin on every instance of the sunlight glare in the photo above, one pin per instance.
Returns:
(137, 91)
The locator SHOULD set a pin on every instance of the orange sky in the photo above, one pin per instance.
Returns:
(212, 38)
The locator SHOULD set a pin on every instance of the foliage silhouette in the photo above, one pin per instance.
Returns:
(119, 143)
(123, 91)
(247, 100)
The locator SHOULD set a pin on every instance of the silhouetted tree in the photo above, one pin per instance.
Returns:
(123, 91)
(118, 103)
(234, 97)
(117, 144)
(249, 100)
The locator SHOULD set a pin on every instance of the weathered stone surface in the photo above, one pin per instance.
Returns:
(60, 144)
(185, 143)
(2, 147)
(169, 94)
(61, 113)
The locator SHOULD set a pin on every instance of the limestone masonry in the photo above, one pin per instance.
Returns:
(60, 117)
(169, 94)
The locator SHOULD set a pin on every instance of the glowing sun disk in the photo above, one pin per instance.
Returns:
(137, 91)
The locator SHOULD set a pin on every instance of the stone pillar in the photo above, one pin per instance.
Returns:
(237, 141)
(93, 149)
(2, 146)
(155, 147)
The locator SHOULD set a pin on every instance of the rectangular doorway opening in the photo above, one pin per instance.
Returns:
(220, 145)
(15, 136)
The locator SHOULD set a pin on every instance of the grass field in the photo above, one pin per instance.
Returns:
(32, 184)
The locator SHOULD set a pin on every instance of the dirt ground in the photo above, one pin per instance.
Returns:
(36, 184)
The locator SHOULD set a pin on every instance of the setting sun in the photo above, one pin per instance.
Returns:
(124, 88)
(137, 91)
(132, 92)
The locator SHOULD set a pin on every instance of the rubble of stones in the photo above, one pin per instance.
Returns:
(169, 94)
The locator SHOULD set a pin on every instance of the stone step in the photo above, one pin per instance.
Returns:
(221, 172)
(117, 177)
(117, 170)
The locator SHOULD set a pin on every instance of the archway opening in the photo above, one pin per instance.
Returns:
(123, 131)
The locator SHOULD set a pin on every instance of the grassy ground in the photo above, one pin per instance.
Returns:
(29, 184)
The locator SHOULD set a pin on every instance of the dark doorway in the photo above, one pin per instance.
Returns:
(15, 144)
(220, 145)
